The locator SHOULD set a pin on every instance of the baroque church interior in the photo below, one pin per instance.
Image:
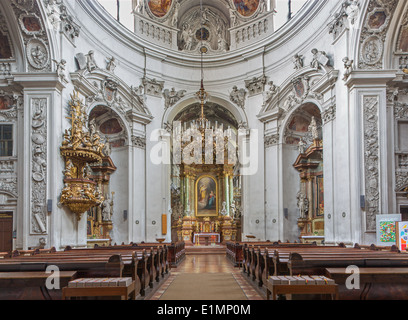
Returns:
(154, 134)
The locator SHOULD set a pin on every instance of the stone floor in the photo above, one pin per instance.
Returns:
(211, 264)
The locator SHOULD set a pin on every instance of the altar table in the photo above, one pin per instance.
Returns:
(207, 236)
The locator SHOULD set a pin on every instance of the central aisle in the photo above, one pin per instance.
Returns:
(206, 277)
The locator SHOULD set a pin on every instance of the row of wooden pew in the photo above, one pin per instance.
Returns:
(146, 263)
(261, 260)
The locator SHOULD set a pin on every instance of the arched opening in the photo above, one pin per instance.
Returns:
(206, 192)
(105, 224)
(303, 180)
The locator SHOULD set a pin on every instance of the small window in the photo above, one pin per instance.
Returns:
(6, 140)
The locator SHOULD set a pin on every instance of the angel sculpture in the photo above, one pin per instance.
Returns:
(348, 65)
(238, 96)
(171, 97)
(60, 69)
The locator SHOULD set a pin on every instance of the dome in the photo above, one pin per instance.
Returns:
(195, 26)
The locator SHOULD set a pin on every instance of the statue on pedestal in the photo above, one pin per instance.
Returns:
(303, 204)
(107, 209)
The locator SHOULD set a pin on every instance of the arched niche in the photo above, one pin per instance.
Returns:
(297, 124)
(110, 125)
(302, 173)
(112, 175)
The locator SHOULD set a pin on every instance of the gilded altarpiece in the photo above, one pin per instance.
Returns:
(311, 195)
(207, 198)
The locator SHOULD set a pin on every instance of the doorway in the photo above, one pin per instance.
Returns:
(6, 231)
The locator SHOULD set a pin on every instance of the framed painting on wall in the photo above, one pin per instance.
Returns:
(320, 196)
(402, 235)
(206, 197)
(386, 229)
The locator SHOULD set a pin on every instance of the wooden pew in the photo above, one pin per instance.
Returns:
(111, 267)
(90, 265)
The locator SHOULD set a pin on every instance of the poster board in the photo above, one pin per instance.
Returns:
(402, 235)
(386, 229)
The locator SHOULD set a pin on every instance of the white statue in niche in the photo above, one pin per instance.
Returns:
(301, 146)
(303, 204)
(313, 129)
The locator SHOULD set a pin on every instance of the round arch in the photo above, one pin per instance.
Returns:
(289, 116)
(125, 123)
(188, 100)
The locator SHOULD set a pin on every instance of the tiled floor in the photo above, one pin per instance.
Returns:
(217, 263)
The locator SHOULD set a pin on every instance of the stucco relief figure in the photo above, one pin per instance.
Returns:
(90, 61)
(319, 59)
(290, 101)
(187, 36)
(174, 19)
(171, 97)
(233, 17)
(140, 6)
(352, 11)
(348, 65)
(371, 51)
(313, 129)
(238, 96)
(222, 45)
(263, 6)
(303, 204)
(298, 61)
(60, 69)
(268, 94)
(111, 64)
(39, 165)
(39, 56)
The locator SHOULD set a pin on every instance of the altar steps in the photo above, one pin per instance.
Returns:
(217, 249)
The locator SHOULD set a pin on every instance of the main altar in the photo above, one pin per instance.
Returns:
(206, 197)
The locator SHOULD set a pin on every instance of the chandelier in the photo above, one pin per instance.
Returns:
(200, 134)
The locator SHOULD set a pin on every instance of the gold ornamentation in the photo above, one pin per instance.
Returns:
(81, 147)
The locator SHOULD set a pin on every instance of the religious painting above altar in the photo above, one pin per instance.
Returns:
(206, 196)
